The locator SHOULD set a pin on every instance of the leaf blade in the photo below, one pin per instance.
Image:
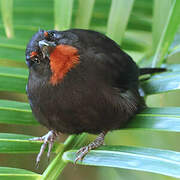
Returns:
(143, 159)
(7, 15)
(118, 19)
(162, 82)
(19, 143)
(8, 173)
(63, 14)
(168, 33)
(161, 119)
(13, 79)
(12, 112)
(84, 14)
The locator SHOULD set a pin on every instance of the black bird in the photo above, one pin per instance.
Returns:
(81, 81)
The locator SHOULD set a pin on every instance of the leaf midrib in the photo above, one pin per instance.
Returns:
(135, 155)
(158, 115)
(15, 109)
(164, 77)
(12, 75)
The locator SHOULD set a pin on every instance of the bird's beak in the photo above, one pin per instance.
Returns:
(46, 47)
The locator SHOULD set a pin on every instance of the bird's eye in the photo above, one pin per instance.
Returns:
(49, 35)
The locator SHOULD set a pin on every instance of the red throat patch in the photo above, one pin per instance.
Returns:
(62, 59)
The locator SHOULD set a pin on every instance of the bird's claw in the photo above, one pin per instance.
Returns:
(49, 138)
(81, 153)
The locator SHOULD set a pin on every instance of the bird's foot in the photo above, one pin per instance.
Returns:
(81, 153)
(49, 138)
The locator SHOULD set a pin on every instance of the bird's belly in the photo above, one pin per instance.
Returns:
(81, 110)
(77, 118)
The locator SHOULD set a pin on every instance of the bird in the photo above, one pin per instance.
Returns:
(81, 81)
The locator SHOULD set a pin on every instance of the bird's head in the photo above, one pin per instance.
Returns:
(55, 48)
(41, 45)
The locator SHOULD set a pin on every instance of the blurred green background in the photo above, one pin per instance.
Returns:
(136, 25)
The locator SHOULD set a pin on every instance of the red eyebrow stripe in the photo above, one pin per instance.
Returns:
(33, 54)
(46, 34)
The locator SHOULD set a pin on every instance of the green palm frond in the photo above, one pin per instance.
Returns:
(143, 29)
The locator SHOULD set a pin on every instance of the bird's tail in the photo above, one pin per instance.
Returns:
(151, 70)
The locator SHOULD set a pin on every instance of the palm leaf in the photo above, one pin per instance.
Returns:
(18, 174)
(132, 29)
(145, 159)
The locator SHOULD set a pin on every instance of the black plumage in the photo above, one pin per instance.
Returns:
(98, 94)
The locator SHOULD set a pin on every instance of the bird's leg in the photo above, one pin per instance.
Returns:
(49, 138)
(81, 153)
